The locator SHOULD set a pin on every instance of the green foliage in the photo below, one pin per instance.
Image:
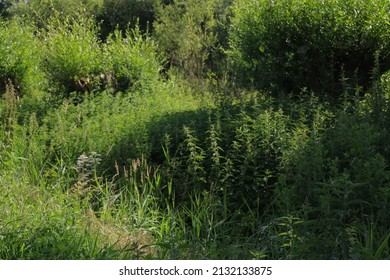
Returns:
(41, 11)
(4, 5)
(102, 158)
(187, 33)
(334, 179)
(70, 51)
(115, 127)
(74, 59)
(121, 14)
(8, 114)
(134, 60)
(385, 80)
(287, 45)
(19, 52)
(112, 14)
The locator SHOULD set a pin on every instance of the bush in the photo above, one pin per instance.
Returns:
(112, 14)
(74, 59)
(133, 58)
(291, 44)
(40, 12)
(19, 57)
(71, 50)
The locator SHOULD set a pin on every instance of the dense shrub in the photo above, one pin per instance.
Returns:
(112, 14)
(40, 11)
(333, 179)
(133, 58)
(292, 44)
(74, 58)
(70, 51)
(187, 33)
(19, 57)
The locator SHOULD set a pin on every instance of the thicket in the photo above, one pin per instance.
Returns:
(19, 59)
(292, 44)
(105, 153)
(192, 34)
(120, 14)
(41, 11)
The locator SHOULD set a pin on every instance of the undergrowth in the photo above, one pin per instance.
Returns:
(107, 154)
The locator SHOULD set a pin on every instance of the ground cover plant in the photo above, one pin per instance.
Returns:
(243, 130)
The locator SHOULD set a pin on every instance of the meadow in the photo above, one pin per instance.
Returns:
(194, 129)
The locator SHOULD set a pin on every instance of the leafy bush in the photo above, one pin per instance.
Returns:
(112, 14)
(292, 44)
(133, 58)
(19, 54)
(71, 50)
(41, 12)
(74, 58)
